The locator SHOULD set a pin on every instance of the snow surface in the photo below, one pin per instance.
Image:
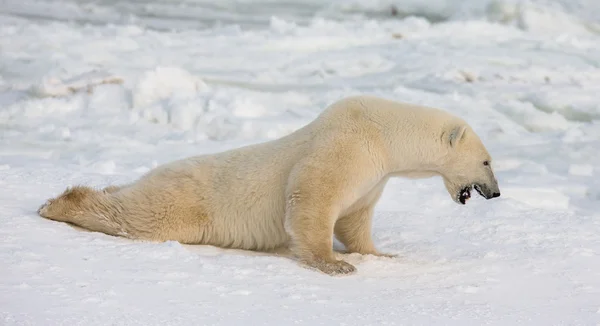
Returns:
(99, 92)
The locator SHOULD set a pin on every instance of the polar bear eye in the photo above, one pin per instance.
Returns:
(486, 163)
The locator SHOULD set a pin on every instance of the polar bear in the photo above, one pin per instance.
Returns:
(297, 191)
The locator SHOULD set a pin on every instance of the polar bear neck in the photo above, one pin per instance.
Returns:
(414, 144)
(410, 136)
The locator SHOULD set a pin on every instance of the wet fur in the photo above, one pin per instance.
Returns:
(297, 191)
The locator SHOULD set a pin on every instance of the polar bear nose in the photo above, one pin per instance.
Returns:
(496, 194)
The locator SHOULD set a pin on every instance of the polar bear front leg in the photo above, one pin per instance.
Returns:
(312, 208)
(310, 224)
(354, 232)
(320, 187)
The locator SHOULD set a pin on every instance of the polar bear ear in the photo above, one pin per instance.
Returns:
(456, 135)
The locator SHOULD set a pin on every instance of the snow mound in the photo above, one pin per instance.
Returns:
(174, 97)
(533, 119)
(542, 17)
(164, 83)
(570, 103)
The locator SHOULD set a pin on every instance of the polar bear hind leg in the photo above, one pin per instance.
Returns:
(85, 207)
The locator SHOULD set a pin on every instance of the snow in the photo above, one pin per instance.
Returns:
(100, 92)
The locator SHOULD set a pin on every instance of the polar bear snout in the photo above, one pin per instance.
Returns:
(487, 192)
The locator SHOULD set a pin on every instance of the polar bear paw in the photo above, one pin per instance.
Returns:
(335, 267)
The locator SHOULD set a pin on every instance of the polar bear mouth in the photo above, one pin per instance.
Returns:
(465, 193)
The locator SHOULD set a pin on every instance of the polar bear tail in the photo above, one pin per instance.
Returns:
(86, 207)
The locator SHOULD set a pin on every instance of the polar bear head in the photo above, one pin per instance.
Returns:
(467, 165)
